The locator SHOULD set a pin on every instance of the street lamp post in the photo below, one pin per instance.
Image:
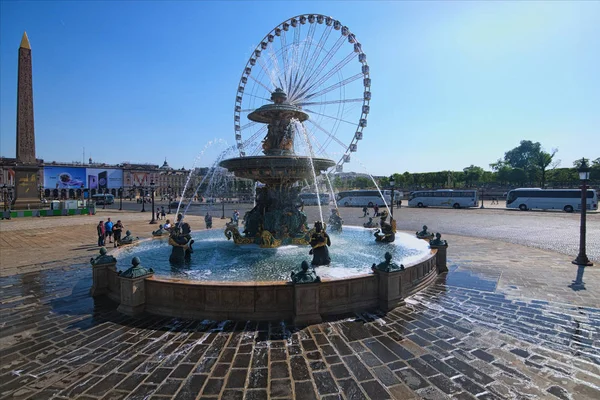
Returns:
(584, 175)
(169, 198)
(152, 221)
(392, 185)
(223, 207)
(482, 198)
(104, 202)
(121, 198)
(143, 199)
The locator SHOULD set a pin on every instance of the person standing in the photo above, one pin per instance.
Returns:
(236, 217)
(163, 214)
(375, 210)
(117, 230)
(208, 220)
(365, 211)
(157, 212)
(101, 232)
(108, 229)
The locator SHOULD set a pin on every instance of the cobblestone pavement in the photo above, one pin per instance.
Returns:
(503, 323)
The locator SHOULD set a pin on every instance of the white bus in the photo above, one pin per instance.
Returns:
(368, 198)
(443, 198)
(567, 200)
(310, 199)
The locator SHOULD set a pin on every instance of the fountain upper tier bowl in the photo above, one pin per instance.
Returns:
(276, 169)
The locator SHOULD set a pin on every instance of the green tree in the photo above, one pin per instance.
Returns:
(542, 161)
(517, 176)
(523, 155)
(472, 174)
(361, 182)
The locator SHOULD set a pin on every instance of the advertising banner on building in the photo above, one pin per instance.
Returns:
(58, 177)
(140, 178)
(104, 178)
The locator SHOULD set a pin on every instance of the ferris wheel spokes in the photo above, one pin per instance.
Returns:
(328, 75)
(334, 86)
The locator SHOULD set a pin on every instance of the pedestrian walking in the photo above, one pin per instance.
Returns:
(108, 225)
(400, 204)
(163, 214)
(157, 212)
(236, 217)
(208, 220)
(375, 210)
(101, 233)
(117, 230)
(365, 211)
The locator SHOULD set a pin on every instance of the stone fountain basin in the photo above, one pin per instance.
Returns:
(276, 169)
(216, 259)
(359, 290)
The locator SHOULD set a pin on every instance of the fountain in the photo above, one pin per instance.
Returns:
(250, 278)
(275, 220)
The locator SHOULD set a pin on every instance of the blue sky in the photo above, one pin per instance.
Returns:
(454, 83)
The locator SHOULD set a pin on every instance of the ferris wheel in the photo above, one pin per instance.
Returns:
(321, 66)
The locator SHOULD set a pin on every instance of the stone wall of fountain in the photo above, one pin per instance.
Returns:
(304, 303)
(276, 219)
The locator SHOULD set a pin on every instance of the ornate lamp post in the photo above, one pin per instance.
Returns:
(169, 198)
(153, 221)
(584, 175)
(392, 185)
(82, 196)
(482, 198)
(120, 198)
(104, 202)
(143, 199)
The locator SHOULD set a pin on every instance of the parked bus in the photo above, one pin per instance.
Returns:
(103, 198)
(310, 199)
(443, 198)
(362, 198)
(567, 200)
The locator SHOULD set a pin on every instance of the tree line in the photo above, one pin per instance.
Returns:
(527, 165)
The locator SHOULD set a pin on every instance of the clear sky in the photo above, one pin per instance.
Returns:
(453, 83)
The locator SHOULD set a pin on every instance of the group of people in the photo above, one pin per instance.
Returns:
(160, 212)
(109, 231)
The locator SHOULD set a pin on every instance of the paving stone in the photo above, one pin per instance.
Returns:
(385, 375)
(304, 391)
(237, 378)
(357, 368)
(411, 378)
(324, 383)
(280, 388)
(169, 387)
(351, 389)
(258, 378)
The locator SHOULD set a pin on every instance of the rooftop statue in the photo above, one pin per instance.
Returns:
(305, 275)
(425, 234)
(438, 241)
(136, 270)
(103, 258)
(319, 242)
(128, 239)
(387, 265)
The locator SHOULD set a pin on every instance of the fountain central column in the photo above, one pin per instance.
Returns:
(276, 219)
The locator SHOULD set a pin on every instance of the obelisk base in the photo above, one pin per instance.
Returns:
(26, 188)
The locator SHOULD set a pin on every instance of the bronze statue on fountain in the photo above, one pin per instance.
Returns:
(181, 241)
(387, 233)
(335, 221)
(319, 243)
(275, 220)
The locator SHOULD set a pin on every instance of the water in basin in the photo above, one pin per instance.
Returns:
(216, 259)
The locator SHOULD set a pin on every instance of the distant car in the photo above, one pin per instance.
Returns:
(210, 200)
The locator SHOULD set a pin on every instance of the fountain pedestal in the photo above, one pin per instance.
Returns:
(276, 219)
(306, 304)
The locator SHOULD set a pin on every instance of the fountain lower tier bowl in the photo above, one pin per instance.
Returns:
(352, 252)
(276, 169)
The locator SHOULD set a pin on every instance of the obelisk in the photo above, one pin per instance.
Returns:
(26, 169)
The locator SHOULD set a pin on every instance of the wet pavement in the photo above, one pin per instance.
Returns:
(504, 323)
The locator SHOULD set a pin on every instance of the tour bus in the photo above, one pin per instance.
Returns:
(567, 200)
(310, 199)
(443, 198)
(103, 198)
(362, 198)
